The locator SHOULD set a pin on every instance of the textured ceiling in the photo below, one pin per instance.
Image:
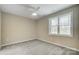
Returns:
(27, 9)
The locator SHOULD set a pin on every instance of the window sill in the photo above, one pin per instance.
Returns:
(61, 35)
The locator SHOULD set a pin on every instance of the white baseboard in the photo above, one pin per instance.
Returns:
(43, 41)
(61, 45)
(16, 42)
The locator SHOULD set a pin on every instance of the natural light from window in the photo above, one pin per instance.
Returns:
(61, 25)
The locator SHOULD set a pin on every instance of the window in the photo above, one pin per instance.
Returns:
(61, 25)
(54, 25)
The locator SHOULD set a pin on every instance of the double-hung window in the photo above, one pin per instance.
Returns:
(53, 25)
(61, 25)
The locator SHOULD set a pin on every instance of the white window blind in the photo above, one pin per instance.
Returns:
(54, 25)
(61, 25)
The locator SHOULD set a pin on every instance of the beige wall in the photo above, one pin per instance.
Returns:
(17, 29)
(0, 28)
(72, 42)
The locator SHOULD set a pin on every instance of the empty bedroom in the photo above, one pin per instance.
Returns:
(39, 29)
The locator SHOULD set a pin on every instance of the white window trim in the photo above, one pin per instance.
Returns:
(58, 27)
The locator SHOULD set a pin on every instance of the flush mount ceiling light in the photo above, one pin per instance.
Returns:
(35, 10)
(34, 14)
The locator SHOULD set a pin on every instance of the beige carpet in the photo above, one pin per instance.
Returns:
(35, 47)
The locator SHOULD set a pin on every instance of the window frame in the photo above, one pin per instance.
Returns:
(58, 30)
(50, 26)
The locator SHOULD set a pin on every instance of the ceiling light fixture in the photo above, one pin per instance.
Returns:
(34, 14)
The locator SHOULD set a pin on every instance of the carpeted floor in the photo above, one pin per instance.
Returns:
(35, 47)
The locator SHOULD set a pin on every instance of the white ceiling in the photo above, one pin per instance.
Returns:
(27, 9)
